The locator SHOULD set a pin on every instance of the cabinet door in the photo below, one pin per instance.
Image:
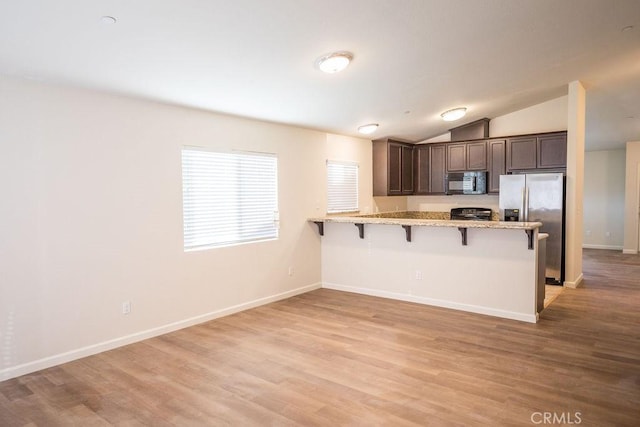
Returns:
(421, 169)
(552, 151)
(522, 153)
(497, 153)
(477, 156)
(407, 170)
(456, 157)
(437, 168)
(394, 171)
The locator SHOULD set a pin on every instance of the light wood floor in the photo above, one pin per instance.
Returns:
(551, 292)
(331, 358)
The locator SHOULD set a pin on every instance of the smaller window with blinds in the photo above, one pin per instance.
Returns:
(342, 187)
(228, 198)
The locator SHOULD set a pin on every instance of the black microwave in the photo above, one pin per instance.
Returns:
(466, 182)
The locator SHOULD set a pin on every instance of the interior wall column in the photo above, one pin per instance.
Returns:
(575, 184)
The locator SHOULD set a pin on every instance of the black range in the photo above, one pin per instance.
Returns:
(471, 214)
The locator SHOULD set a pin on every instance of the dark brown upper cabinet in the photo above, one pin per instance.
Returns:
(437, 168)
(537, 152)
(522, 153)
(401, 168)
(467, 156)
(406, 169)
(456, 157)
(392, 168)
(430, 168)
(477, 155)
(497, 157)
(552, 151)
(421, 169)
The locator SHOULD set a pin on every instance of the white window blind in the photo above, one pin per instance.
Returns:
(228, 198)
(342, 186)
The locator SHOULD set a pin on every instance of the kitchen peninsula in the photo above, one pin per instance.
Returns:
(487, 267)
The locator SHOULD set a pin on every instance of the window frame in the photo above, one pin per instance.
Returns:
(337, 206)
(234, 216)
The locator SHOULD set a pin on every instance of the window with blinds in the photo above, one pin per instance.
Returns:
(228, 198)
(342, 187)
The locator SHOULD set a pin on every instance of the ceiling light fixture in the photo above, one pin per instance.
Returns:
(108, 20)
(368, 129)
(454, 114)
(334, 62)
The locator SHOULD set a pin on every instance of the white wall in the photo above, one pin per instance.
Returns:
(604, 199)
(91, 216)
(574, 195)
(435, 268)
(548, 116)
(347, 148)
(632, 203)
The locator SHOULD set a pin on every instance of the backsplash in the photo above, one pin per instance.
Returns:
(445, 203)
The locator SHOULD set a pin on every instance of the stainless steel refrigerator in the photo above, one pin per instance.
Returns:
(538, 197)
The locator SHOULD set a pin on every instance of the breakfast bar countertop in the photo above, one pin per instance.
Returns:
(424, 219)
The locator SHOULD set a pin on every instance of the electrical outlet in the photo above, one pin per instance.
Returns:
(418, 275)
(607, 234)
(291, 271)
(126, 307)
(588, 232)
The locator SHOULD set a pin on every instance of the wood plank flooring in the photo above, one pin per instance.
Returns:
(551, 292)
(329, 358)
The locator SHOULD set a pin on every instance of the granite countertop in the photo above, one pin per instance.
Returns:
(429, 219)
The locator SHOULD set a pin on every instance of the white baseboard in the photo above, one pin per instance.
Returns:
(574, 284)
(531, 318)
(58, 359)
(629, 251)
(608, 247)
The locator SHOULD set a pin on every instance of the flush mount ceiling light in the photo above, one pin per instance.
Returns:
(367, 129)
(334, 62)
(108, 20)
(455, 114)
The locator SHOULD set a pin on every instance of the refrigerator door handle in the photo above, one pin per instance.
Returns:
(525, 211)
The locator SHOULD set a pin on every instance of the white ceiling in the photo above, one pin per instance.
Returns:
(413, 59)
